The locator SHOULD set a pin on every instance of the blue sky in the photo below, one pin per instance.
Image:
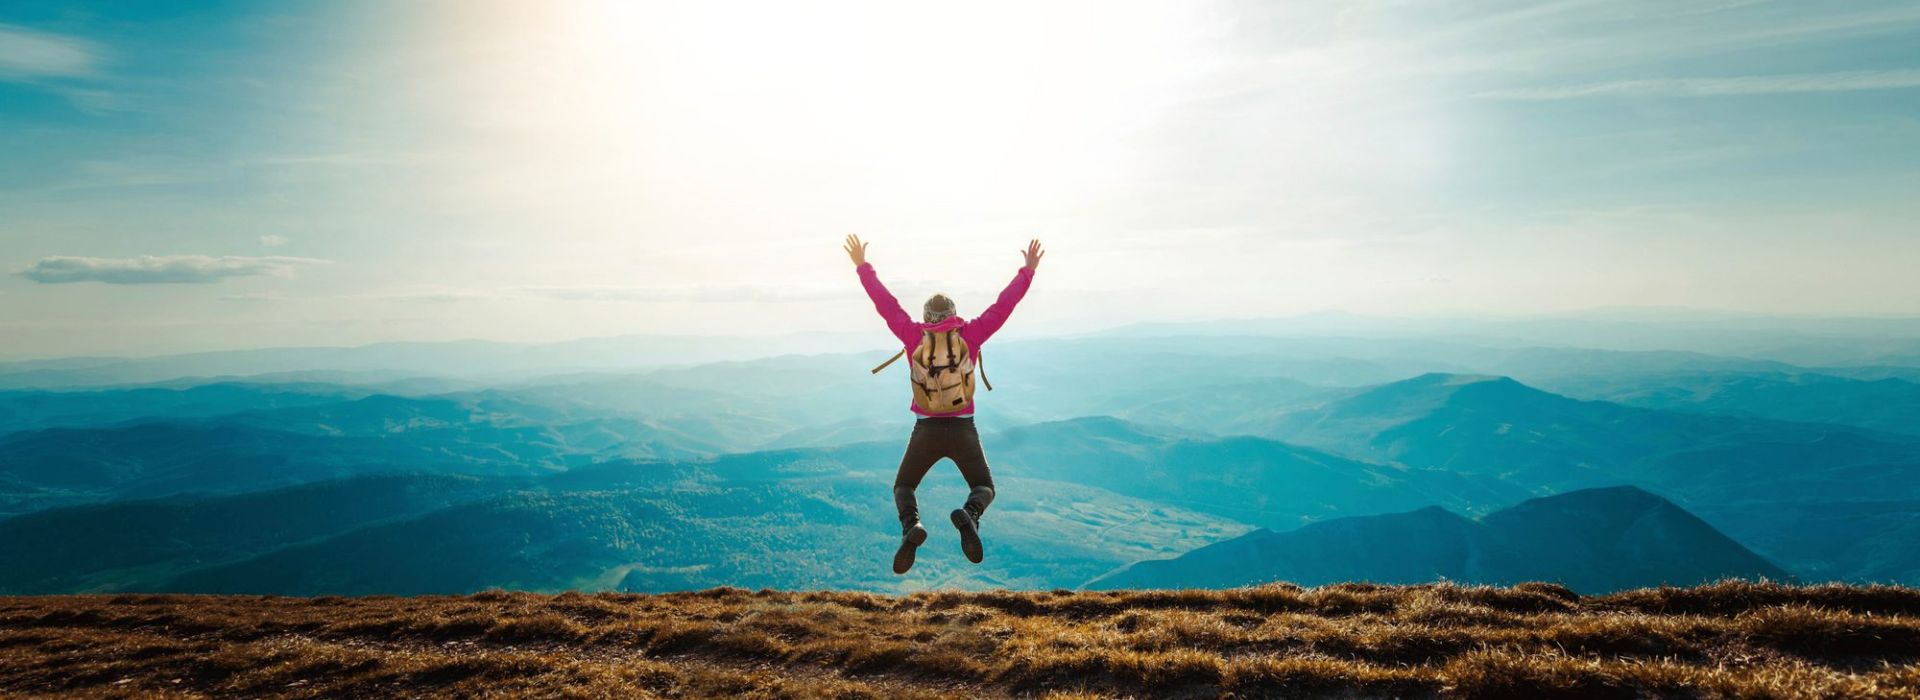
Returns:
(199, 175)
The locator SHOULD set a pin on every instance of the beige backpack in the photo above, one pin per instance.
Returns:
(942, 372)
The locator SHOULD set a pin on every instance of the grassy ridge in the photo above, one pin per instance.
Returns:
(1726, 640)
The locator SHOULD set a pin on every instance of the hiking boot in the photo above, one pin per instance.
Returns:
(969, 527)
(910, 540)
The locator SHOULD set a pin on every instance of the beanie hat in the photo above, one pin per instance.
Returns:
(938, 308)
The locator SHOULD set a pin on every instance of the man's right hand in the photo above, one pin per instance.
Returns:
(1033, 253)
(856, 250)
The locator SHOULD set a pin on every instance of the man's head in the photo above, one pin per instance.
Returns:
(938, 308)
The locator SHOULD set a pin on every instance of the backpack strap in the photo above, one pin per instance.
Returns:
(890, 360)
(926, 341)
(980, 366)
(924, 336)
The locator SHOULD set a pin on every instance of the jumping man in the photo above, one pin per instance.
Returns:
(943, 351)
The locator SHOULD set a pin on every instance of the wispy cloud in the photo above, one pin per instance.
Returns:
(1715, 87)
(615, 293)
(441, 295)
(29, 55)
(159, 269)
(659, 294)
(255, 297)
(271, 240)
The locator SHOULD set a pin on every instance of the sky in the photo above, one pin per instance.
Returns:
(198, 175)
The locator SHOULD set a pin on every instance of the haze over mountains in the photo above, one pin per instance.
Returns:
(1312, 449)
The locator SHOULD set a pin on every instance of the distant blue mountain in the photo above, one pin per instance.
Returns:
(1886, 404)
(1592, 541)
(1748, 475)
(1253, 480)
(35, 410)
(1496, 426)
(1804, 340)
(105, 546)
(297, 442)
(1862, 540)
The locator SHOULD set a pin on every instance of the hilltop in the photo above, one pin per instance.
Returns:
(1730, 639)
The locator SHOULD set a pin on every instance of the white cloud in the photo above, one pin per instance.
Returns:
(158, 269)
(26, 55)
(271, 240)
(1714, 87)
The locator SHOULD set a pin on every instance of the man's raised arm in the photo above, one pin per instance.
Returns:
(898, 321)
(990, 320)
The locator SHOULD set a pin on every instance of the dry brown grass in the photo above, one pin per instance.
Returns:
(1733, 640)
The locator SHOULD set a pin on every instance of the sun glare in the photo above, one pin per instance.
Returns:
(1002, 106)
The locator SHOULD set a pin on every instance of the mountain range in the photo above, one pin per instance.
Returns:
(1078, 500)
(1592, 540)
(774, 471)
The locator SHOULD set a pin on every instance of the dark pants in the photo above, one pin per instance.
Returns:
(933, 439)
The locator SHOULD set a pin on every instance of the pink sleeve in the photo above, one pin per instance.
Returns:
(897, 319)
(988, 322)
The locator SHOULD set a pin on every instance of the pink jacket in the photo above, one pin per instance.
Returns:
(975, 332)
